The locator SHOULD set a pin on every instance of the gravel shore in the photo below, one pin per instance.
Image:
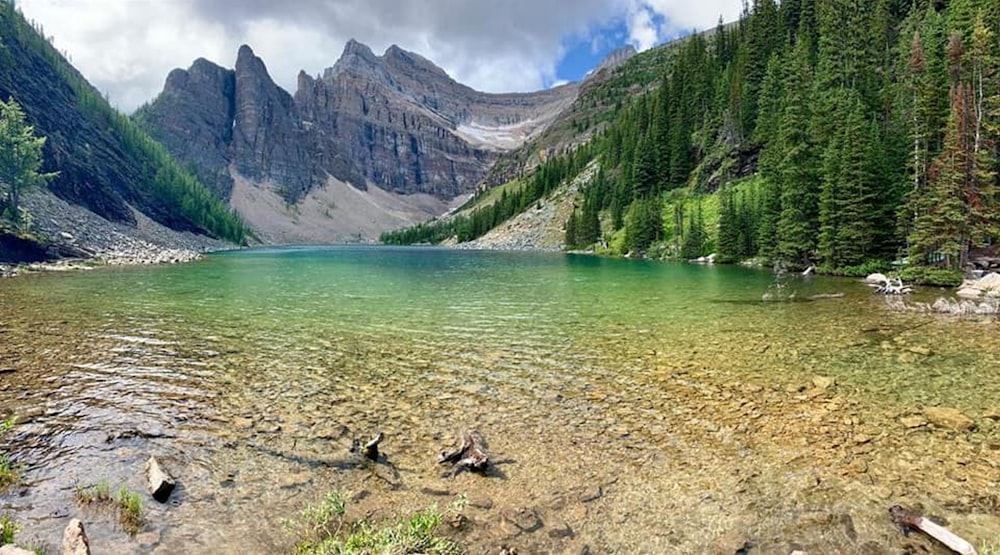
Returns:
(96, 241)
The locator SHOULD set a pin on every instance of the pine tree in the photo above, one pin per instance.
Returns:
(798, 222)
(20, 160)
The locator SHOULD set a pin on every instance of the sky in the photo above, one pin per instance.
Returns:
(126, 48)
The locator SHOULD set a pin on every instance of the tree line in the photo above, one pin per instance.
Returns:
(838, 133)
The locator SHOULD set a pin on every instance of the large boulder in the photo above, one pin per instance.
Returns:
(949, 418)
(876, 279)
(75, 539)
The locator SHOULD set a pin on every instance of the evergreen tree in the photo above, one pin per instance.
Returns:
(20, 160)
(799, 196)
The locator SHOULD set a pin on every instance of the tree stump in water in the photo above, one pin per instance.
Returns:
(471, 453)
(370, 449)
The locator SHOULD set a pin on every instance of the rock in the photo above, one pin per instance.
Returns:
(950, 418)
(14, 550)
(295, 480)
(730, 543)
(242, 423)
(969, 292)
(989, 282)
(75, 539)
(591, 494)
(161, 484)
(525, 519)
(992, 414)
(435, 492)
(876, 278)
(822, 382)
(559, 529)
(920, 350)
(913, 421)
(484, 503)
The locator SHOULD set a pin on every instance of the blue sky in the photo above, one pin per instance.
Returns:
(127, 47)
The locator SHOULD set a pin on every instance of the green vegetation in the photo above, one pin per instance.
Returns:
(8, 529)
(20, 160)
(130, 512)
(8, 473)
(160, 183)
(839, 133)
(96, 493)
(323, 528)
(127, 505)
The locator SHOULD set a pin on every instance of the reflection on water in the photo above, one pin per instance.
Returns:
(635, 406)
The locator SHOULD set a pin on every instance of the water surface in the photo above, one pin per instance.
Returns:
(642, 407)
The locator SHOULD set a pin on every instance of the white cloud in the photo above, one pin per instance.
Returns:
(127, 47)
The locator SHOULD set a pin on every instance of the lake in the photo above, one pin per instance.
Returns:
(630, 406)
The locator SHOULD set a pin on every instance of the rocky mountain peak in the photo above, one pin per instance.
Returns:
(616, 58)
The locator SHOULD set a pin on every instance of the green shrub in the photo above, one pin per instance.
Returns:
(8, 528)
(923, 275)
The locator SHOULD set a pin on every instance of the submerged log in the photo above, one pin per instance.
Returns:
(906, 519)
(471, 453)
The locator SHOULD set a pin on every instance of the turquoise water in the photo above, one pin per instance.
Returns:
(250, 372)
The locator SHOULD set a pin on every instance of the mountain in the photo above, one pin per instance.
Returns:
(106, 164)
(808, 134)
(393, 135)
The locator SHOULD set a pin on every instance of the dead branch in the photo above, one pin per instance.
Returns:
(904, 518)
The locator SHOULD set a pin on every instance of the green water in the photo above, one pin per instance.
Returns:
(250, 372)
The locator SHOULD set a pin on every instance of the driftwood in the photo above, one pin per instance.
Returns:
(370, 449)
(890, 286)
(906, 519)
(471, 453)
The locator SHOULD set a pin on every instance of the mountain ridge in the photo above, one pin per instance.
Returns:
(396, 122)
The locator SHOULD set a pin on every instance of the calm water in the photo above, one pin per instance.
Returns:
(673, 388)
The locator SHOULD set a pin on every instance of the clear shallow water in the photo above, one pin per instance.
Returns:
(672, 387)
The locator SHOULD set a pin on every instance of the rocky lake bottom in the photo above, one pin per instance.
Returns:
(628, 407)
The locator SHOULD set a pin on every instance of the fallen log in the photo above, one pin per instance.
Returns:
(906, 519)
(471, 453)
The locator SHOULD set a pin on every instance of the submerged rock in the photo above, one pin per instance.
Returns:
(75, 539)
(161, 484)
(950, 418)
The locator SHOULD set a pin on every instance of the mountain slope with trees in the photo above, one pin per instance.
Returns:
(105, 163)
(837, 133)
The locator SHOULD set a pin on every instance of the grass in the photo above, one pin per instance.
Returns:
(8, 528)
(323, 524)
(127, 505)
(9, 475)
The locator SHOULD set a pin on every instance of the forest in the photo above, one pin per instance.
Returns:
(845, 134)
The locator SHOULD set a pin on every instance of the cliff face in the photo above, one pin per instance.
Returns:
(395, 121)
(195, 121)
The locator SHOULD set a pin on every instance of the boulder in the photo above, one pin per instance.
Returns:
(160, 483)
(822, 382)
(914, 421)
(876, 278)
(989, 282)
(14, 550)
(75, 539)
(949, 418)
